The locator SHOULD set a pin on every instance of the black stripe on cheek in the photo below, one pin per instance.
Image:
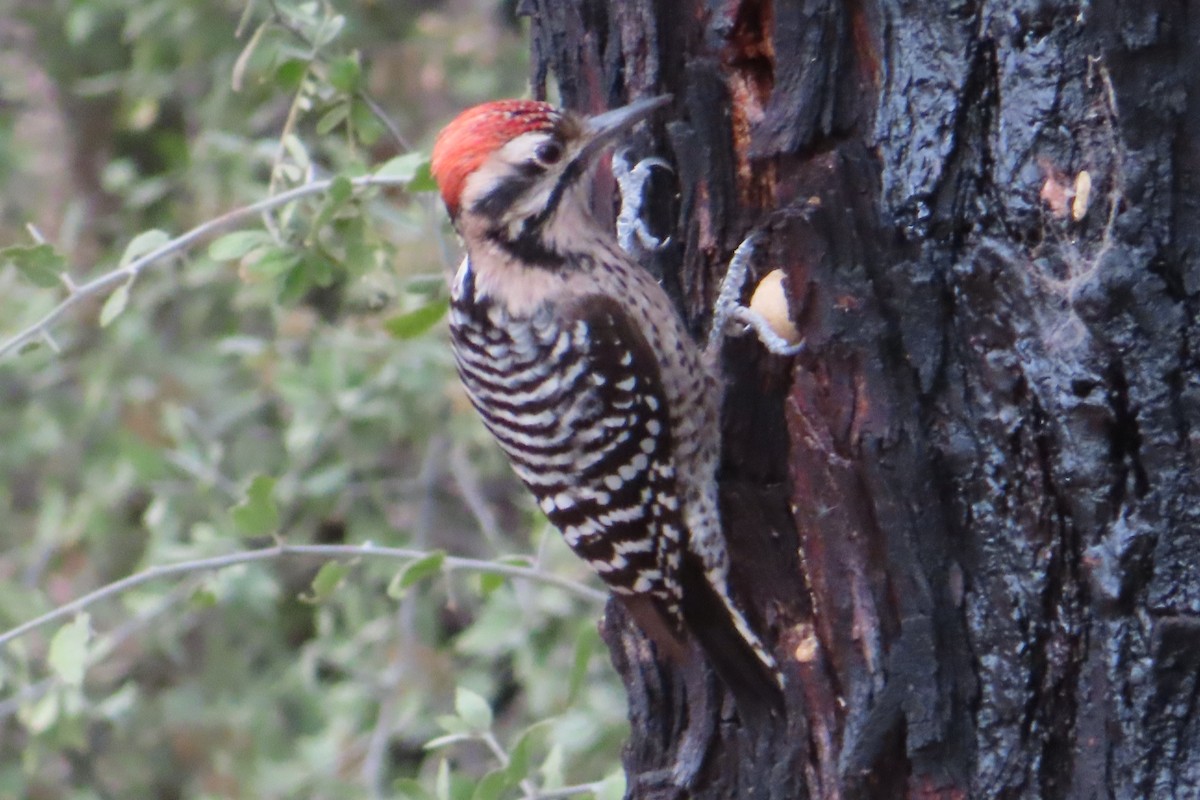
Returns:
(529, 248)
(529, 245)
(500, 199)
(572, 173)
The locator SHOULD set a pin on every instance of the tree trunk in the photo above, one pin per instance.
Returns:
(969, 515)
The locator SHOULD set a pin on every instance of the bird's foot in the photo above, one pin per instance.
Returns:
(632, 232)
(767, 315)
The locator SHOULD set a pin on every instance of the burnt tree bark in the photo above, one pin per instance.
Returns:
(970, 515)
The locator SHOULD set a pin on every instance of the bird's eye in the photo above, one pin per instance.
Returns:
(549, 152)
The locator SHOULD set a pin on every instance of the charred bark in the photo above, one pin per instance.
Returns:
(970, 515)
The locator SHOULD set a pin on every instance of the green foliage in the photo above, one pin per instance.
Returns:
(38, 263)
(416, 322)
(279, 377)
(68, 651)
(257, 514)
(414, 571)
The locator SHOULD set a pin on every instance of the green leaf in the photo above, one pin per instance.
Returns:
(332, 118)
(257, 514)
(295, 282)
(202, 598)
(366, 125)
(39, 264)
(490, 582)
(612, 787)
(423, 180)
(238, 73)
(295, 147)
(290, 73)
(17, 603)
(519, 756)
(414, 571)
(416, 322)
(331, 480)
(345, 74)
(585, 646)
(441, 785)
(115, 304)
(426, 285)
(411, 789)
(339, 193)
(329, 578)
(273, 263)
(452, 724)
(330, 28)
(120, 704)
(322, 270)
(492, 785)
(233, 246)
(340, 190)
(473, 709)
(552, 768)
(145, 242)
(497, 628)
(69, 650)
(449, 738)
(404, 167)
(42, 713)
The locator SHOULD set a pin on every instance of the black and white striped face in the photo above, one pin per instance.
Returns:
(529, 194)
(524, 177)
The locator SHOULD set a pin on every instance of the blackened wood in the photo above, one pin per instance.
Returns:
(970, 515)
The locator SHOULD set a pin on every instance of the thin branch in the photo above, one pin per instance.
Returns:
(493, 744)
(207, 473)
(384, 119)
(450, 564)
(111, 280)
(569, 791)
(280, 19)
(102, 648)
(470, 490)
(374, 760)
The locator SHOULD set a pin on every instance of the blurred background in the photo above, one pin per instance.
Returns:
(284, 380)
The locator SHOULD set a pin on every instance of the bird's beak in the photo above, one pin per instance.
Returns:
(602, 129)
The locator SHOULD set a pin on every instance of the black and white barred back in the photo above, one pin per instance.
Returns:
(574, 398)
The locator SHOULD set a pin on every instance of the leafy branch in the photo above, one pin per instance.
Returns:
(329, 551)
(119, 279)
(101, 648)
(472, 721)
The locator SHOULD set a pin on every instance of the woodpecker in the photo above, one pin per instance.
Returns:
(582, 370)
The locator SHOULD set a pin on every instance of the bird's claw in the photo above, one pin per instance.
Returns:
(632, 233)
(766, 334)
(728, 308)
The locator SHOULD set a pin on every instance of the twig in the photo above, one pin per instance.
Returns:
(568, 791)
(130, 271)
(466, 478)
(374, 760)
(493, 744)
(450, 564)
(384, 119)
(207, 473)
(101, 649)
(375, 756)
(280, 19)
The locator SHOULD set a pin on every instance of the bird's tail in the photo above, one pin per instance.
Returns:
(736, 652)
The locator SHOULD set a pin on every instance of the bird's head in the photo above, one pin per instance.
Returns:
(511, 169)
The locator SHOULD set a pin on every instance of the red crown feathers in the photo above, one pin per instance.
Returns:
(463, 144)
